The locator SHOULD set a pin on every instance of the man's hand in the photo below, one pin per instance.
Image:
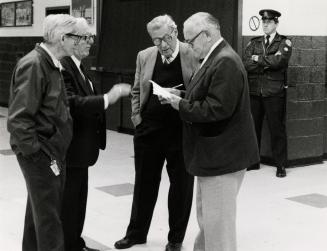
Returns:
(173, 100)
(174, 91)
(118, 91)
(255, 58)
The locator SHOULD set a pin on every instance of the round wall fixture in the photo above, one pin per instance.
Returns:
(254, 23)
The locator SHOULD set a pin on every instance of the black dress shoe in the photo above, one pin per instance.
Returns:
(89, 249)
(253, 167)
(127, 243)
(173, 246)
(281, 172)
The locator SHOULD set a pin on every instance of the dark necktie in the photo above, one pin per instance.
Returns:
(267, 41)
(87, 82)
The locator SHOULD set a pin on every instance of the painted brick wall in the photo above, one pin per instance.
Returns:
(11, 50)
(306, 118)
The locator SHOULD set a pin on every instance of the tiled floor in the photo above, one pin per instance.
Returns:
(274, 214)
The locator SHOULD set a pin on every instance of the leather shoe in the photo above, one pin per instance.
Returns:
(127, 243)
(281, 172)
(253, 167)
(173, 246)
(89, 249)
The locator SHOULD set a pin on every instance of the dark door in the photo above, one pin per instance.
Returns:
(123, 33)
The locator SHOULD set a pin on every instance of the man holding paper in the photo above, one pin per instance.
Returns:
(158, 135)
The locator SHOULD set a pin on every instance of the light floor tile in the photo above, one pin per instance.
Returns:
(268, 220)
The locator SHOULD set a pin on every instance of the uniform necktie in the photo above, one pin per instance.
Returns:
(267, 41)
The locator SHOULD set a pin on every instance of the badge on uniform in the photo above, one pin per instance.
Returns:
(288, 42)
(54, 167)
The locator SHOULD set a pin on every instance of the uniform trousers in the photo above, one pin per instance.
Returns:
(216, 211)
(274, 109)
(151, 151)
(42, 227)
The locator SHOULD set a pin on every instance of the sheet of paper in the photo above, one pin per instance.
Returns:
(159, 91)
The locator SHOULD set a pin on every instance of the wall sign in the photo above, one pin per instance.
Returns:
(16, 13)
(254, 23)
(83, 8)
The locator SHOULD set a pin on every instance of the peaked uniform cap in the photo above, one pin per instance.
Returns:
(269, 14)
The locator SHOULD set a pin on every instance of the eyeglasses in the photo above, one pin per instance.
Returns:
(190, 42)
(167, 38)
(86, 38)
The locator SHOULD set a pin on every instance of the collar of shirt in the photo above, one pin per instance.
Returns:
(272, 36)
(55, 61)
(78, 64)
(174, 55)
(211, 50)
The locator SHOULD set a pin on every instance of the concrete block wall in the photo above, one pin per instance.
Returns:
(12, 49)
(306, 110)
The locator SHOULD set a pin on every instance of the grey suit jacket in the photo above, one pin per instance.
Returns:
(145, 62)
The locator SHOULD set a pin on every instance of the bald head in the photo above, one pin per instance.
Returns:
(203, 21)
(201, 31)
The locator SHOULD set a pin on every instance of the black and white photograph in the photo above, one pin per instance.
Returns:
(144, 125)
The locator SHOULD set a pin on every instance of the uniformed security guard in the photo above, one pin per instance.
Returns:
(266, 61)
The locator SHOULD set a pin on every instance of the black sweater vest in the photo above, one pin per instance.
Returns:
(165, 75)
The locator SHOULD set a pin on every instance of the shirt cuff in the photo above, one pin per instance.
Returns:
(106, 101)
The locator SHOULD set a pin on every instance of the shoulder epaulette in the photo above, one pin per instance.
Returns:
(255, 38)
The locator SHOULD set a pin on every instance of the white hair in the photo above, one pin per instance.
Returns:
(160, 21)
(82, 26)
(54, 26)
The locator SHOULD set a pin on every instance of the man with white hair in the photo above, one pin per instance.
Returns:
(158, 136)
(40, 128)
(87, 108)
(218, 135)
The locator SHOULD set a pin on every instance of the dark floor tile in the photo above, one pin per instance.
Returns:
(315, 200)
(119, 189)
(6, 152)
(94, 244)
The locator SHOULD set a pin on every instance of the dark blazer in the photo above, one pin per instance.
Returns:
(38, 113)
(219, 136)
(87, 110)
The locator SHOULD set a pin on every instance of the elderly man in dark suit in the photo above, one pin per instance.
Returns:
(87, 108)
(40, 128)
(219, 138)
(158, 136)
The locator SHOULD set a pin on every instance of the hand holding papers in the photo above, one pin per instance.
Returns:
(165, 96)
(159, 91)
